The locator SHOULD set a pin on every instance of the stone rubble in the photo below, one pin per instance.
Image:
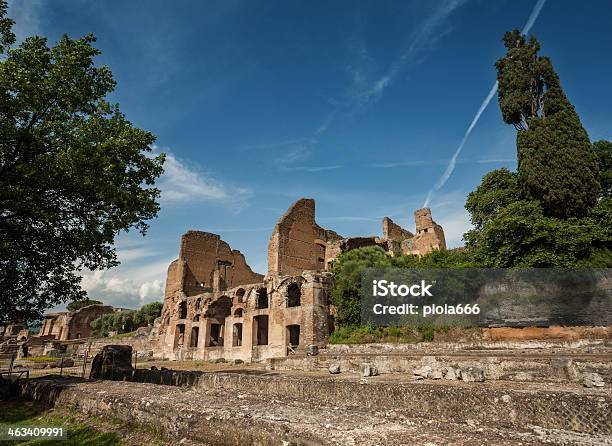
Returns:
(472, 374)
(334, 369)
(592, 380)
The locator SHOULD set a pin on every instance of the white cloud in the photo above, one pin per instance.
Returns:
(135, 253)
(274, 145)
(127, 287)
(182, 183)
(295, 154)
(150, 291)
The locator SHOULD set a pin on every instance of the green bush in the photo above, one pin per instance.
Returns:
(428, 334)
(127, 320)
(350, 265)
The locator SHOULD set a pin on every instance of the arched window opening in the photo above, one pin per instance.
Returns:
(216, 335)
(179, 335)
(193, 342)
(293, 336)
(260, 327)
(262, 298)
(294, 295)
(183, 310)
(240, 295)
(238, 312)
(237, 335)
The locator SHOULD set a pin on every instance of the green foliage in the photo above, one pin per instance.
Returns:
(428, 334)
(603, 153)
(556, 162)
(7, 38)
(74, 172)
(78, 304)
(147, 314)
(347, 270)
(26, 414)
(356, 334)
(497, 190)
(350, 265)
(120, 322)
(127, 320)
(520, 235)
(547, 214)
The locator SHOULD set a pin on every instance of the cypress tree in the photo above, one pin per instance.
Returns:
(556, 162)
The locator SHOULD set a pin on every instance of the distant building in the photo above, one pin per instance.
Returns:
(11, 329)
(69, 325)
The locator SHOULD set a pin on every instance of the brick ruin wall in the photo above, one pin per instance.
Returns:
(207, 262)
(298, 244)
(395, 239)
(429, 235)
(186, 330)
(73, 324)
(394, 231)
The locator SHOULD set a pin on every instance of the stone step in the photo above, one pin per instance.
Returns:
(310, 410)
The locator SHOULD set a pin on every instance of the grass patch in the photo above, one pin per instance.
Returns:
(394, 335)
(129, 334)
(30, 414)
(42, 358)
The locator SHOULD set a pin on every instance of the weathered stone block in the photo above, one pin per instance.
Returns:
(592, 380)
(472, 374)
(368, 370)
(423, 372)
(334, 369)
(113, 362)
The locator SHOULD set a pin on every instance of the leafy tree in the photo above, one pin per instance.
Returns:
(74, 172)
(548, 213)
(78, 304)
(497, 190)
(603, 153)
(556, 162)
(520, 235)
(103, 324)
(7, 38)
(348, 268)
(147, 314)
(127, 320)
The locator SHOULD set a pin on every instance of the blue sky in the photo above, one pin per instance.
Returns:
(357, 104)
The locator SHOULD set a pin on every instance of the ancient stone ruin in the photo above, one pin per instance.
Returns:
(113, 362)
(216, 307)
(68, 325)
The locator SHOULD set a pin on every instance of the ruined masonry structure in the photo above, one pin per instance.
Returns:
(69, 325)
(215, 306)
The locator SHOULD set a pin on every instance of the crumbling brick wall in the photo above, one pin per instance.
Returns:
(79, 321)
(298, 243)
(73, 324)
(206, 262)
(429, 235)
(393, 231)
(175, 277)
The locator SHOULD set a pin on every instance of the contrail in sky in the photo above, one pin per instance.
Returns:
(453, 162)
